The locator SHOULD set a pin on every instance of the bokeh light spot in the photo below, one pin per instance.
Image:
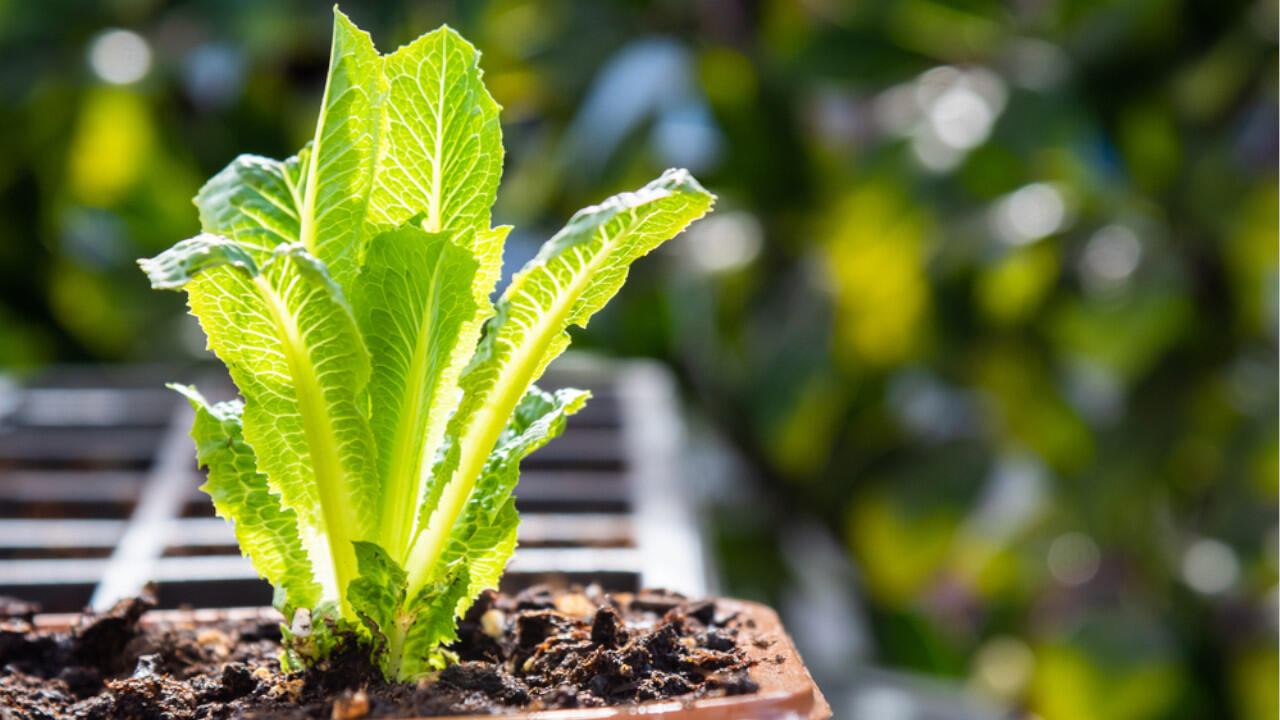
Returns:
(934, 155)
(946, 112)
(214, 75)
(1038, 65)
(724, 241)
(1074, 558)
(1110, 258)
(884, 703)
(961, 118)
(1003, 666)
(1029, 213)
(112, 145)
(1210, 566)
(120, 57)
(1013, 289)
(875, 260)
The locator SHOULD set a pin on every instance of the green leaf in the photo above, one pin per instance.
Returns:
(406, 635)
(439, 164)
(485, 544)
(377, 594)
(267, 533)
(340, 160)
(442, 150)
(174, 268)
(320, 197)
(291, 344)
(430, 624)
(413, 302)
(484, 536)
(255, 201)
(574, 275)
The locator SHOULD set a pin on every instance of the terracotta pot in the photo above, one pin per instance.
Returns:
(787, 692)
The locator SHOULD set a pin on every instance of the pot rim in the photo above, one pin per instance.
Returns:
(786, 689)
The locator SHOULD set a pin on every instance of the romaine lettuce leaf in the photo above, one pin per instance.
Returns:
(442, 151)
(267, 533)
(407, 632)
(484, 536)
(574, 274)
(320, 197)
(414, 302)
(291, 344)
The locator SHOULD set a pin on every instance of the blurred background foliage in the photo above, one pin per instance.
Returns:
(988, 307)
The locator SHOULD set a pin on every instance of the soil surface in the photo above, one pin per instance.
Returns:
(536, 650)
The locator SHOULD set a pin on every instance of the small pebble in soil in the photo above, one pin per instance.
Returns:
(351, 706)
(575, 604)
(493, 623)
(147, 666)
(215, 640)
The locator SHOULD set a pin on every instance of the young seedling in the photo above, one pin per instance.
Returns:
(387, 402)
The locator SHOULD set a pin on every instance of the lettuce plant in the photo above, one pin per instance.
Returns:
(387, 402)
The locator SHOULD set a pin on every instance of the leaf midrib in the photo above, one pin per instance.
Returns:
(322, 441)
(405, 464)
(483, 431)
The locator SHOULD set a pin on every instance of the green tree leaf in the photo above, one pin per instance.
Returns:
(267, 533)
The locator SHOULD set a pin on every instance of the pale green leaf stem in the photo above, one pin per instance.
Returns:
(484, 535)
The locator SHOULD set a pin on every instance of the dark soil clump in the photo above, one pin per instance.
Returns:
(538, 650)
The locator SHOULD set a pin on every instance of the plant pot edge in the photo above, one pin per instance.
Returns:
(786, 688)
